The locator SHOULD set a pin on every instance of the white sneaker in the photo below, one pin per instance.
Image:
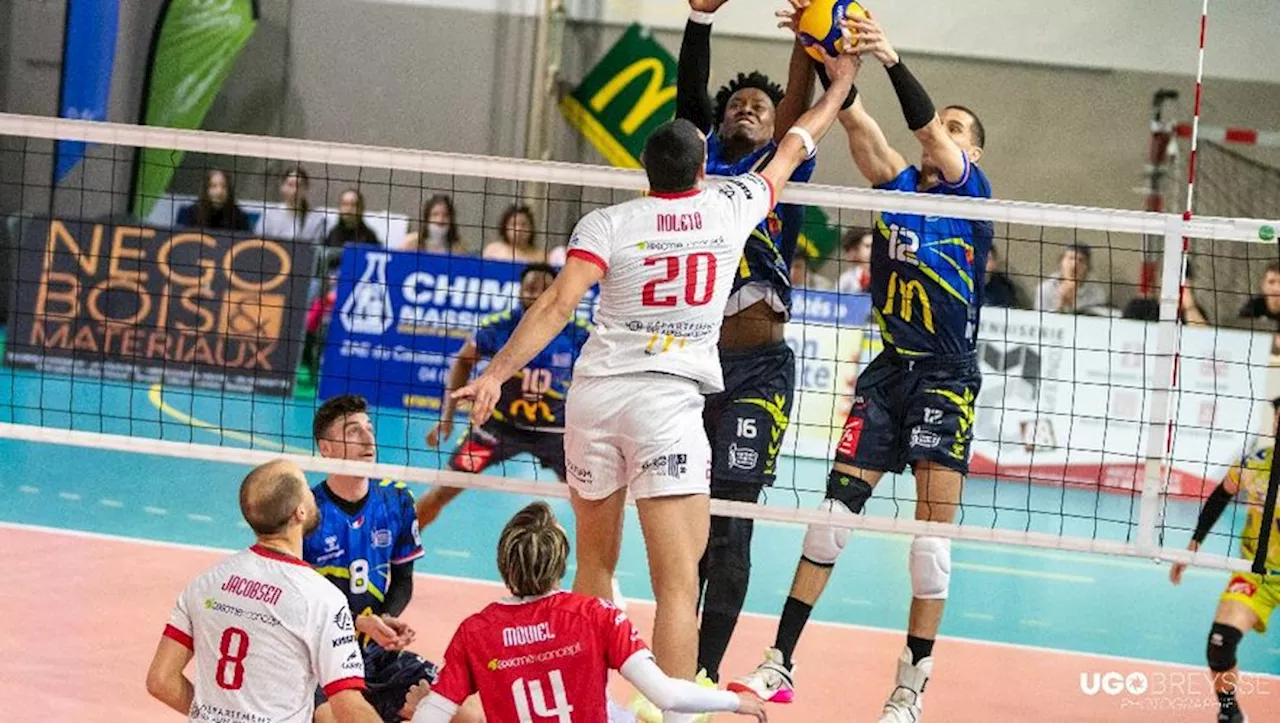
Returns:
(771, 681)
(907, 699)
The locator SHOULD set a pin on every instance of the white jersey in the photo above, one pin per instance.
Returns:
(266, 630)
(669, 262)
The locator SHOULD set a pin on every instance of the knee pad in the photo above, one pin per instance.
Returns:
(851, 491)
(930, 568)
(1223, 640)
(823, 543)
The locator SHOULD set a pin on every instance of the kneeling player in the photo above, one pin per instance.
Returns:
(1249, 599)
(530, 416)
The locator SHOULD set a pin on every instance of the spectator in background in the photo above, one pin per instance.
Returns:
(1069, 291)
(351, 228)
(519, 240)
(855, 277)
(216, 207)
(296, 221)
(1266, 306)
(803, 277)
(1146, 305)
(1000, 289)
(437, 228)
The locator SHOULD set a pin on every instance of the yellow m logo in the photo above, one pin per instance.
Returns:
(655, 96)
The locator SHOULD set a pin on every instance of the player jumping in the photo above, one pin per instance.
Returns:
(530, 416)
(914, 403)
(665, 264)
(549, 651)
(1249, 599)
(365, 545)
(264, 628)
(745, 422)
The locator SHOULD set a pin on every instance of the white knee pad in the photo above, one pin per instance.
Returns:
(823, 543)
(930, 568)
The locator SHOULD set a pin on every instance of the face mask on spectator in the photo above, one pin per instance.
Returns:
(437, 232)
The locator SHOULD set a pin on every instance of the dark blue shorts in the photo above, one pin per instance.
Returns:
(388, 676)
(906, 411)
(496, 442)
(747, 421)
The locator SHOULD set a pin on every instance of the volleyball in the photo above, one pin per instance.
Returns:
(820, 26)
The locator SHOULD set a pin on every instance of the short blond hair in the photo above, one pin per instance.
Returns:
(533, 551)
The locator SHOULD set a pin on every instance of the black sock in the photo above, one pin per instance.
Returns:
(713, 640)
(795, 614)
(920, 648)
(1227, 701)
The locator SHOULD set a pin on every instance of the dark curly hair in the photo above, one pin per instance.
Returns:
(756, 80)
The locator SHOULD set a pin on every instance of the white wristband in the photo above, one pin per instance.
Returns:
(701, 18)
(810, 148)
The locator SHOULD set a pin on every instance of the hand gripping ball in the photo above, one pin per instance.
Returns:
(820, 26)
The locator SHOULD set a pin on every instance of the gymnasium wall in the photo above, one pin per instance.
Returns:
(398, 74)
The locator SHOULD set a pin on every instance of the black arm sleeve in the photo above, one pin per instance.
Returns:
(917, 107)
(401, 589)
(826, 84)
(694, 72)
(1210, 513)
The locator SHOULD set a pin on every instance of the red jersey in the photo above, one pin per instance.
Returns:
(544, 660)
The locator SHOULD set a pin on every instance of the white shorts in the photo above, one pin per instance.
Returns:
(639, 431)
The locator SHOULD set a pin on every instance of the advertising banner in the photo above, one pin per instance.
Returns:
(140, 304)
(399, 318)
(88, 61)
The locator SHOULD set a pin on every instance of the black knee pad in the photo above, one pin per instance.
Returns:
(852, 492)
(1223, 641)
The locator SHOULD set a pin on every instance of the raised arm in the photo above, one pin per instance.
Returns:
(546, 318)
(694, 70)
(917, 107)
(799, 90)
(459, 375)
(800, 141)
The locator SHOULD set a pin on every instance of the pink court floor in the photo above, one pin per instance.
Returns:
(78, 644)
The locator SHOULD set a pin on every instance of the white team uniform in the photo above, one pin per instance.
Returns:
(634, 413)
(266, 629)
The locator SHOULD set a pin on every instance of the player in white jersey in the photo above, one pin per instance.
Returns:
(633, 421)
(264, 628)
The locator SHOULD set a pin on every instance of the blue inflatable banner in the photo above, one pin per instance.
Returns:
(400, 317)
(88, 61)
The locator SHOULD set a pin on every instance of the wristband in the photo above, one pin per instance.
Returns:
(810, 147)
(826, 84)
(701, 18)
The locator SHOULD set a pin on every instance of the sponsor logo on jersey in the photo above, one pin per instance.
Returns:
(742, 457)
(382, 538)
(342, 640)
(331, 544)
(544, 657)
(1241, 586)
(206, 713)
(527, 634)
(852, 433)
(357, 523)
(354, 661)
(667, 465)
(581, 474)
(252, 616)
(343, 620)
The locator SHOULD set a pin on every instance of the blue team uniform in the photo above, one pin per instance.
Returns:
(915, 400)
(356, 552)
(529, 416)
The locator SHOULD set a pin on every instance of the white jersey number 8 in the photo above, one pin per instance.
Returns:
(536, 697)
(359, 576)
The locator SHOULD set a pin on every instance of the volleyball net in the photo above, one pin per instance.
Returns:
(174, 325)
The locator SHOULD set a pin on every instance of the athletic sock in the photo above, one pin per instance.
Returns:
(795, 615)
(920, 648)
(713, 641)
(1227, 706)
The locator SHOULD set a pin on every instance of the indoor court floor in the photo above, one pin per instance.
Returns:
(98, 543)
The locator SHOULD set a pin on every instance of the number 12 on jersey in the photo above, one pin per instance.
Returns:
(532, 694)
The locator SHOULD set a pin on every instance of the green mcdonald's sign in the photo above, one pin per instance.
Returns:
(630, 92)
(196, 42)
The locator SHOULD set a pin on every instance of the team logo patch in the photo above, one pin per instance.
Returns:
(382, 538)
(1241, 586)
(357, 523)
(925, 438)
(849, 440)
(343, 620)
(743, 457)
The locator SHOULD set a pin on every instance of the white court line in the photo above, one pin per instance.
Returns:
(757, 616)
(155, 510)
(111, 503)
(979, 616)
(69, 496)
(854, 601)
(1016, 572)
(464, 554)
(29, 490)
(1034, 623)
(199, 518)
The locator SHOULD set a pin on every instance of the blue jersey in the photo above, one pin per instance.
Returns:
(356, 552)
(927, 271)
(766, 259)
(534, 398)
